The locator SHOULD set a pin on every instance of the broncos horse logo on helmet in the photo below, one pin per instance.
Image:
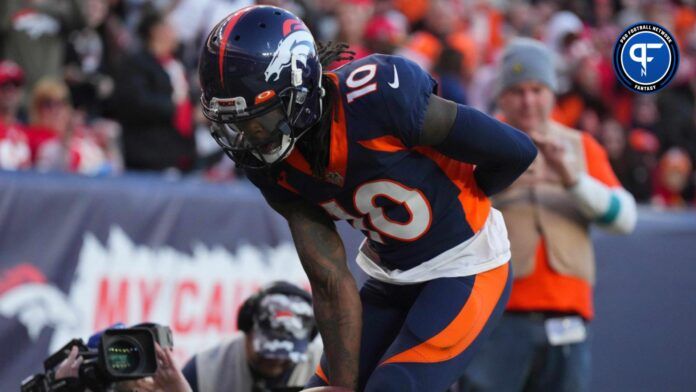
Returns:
(261, 80)
(296, 46)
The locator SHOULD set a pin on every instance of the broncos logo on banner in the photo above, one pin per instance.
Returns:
(36, 303)
(297, 43)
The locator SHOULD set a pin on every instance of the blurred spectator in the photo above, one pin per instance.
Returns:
(106, 134)
(57, 142)
(519, 19)
(673, 187)
(449, 70)
(441, 20)
(117, 38)
(385, 32)
(152, 102)
(684, 20)
(541, 341)
(49, 124)
(630, 13)
(34, 33)
(581, 74)
(603, 16)
(85, 70)
(422, 48)
(14, 145)
(677, 108)
(352, 18)
(193, 20)
(326, 24)
(414, 10)
(444, 22)
(274, 352)
(482, 88)
(613, 138)
(634, 161)
(463, 43)
(645, 113)
(641, 161)
(486, 28)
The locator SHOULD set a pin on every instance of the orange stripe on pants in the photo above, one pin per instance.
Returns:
(320, 373)
(450, 342)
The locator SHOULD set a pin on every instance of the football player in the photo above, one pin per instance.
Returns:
(372, 144)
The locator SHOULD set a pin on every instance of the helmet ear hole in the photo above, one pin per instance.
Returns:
(237, 37)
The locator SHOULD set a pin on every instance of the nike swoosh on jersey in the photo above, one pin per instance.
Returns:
(395, 83)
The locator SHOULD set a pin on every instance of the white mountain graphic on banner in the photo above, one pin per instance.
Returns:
(197, 294)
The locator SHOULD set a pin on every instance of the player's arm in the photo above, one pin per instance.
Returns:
(500, 152)
(337, 306)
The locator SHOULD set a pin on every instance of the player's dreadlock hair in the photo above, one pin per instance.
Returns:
(333, 51)
(315, 145)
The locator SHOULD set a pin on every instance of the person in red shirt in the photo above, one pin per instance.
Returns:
(56, 143)
(14, 146)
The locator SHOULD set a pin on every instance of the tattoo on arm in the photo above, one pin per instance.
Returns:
(337, 305)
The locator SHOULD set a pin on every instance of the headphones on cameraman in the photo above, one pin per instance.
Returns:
(245, 317)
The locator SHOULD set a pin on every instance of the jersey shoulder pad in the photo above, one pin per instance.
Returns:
(389, 87)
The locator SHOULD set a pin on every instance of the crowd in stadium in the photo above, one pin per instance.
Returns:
(100, 87)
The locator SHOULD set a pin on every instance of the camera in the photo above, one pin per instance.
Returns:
(113, 355)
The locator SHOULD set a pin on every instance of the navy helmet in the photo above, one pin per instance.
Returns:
(261, 80)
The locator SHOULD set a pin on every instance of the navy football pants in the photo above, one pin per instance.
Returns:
(421, 337)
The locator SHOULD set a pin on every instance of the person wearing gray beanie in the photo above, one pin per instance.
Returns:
(526, 59)
(541, 342)
(525, 86)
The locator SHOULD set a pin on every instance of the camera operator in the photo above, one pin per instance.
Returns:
(167, 378)
(116, 359)
(275, 352)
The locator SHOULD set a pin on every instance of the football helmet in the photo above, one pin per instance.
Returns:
(261, 78)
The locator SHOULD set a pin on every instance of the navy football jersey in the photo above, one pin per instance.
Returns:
(411, 202)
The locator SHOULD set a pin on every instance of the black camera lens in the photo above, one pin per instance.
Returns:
(123, 356)
(127, 354)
